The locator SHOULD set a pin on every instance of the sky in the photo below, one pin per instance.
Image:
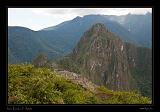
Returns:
(39, 18)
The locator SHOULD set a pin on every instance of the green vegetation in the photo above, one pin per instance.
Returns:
(142, 71)
(68, 64)
(144, 83)
(31, 85)
(118, 97)
(41, 60)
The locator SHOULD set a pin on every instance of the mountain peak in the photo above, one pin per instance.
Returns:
(148, 13)
(101, 57)
(99, 28)
(77, 18)
(99, 25)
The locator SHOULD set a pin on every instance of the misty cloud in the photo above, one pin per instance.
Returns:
(104, 11)
(39, 18)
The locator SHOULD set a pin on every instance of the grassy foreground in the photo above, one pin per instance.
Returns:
(30, 85)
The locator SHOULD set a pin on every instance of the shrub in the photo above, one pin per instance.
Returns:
(41, 60)
(119, 97)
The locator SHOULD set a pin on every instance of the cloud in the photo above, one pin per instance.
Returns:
(38, 18)
(58, 11)
(85, 11)
(64, 14)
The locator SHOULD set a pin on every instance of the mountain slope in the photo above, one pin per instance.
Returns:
(55, 42)
(31, 85)
(25, 44)
(21, 44)
(104, 59)
(139, 25)
(79, 25)
(140, 64)
(58, 41)
(101, 57)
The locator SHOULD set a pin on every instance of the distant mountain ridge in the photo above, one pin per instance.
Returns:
(57, 41)
(139, 25)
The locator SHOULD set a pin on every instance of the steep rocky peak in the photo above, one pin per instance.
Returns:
(101, 57)
(98, 27)
(77, 18)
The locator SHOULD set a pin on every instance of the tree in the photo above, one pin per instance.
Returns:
(41, 60)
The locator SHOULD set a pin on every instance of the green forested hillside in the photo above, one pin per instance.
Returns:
(24, 44)
(140, 63)
(30, 85)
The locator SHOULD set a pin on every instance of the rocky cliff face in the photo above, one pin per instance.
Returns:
(140, 65)
(101, 57)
